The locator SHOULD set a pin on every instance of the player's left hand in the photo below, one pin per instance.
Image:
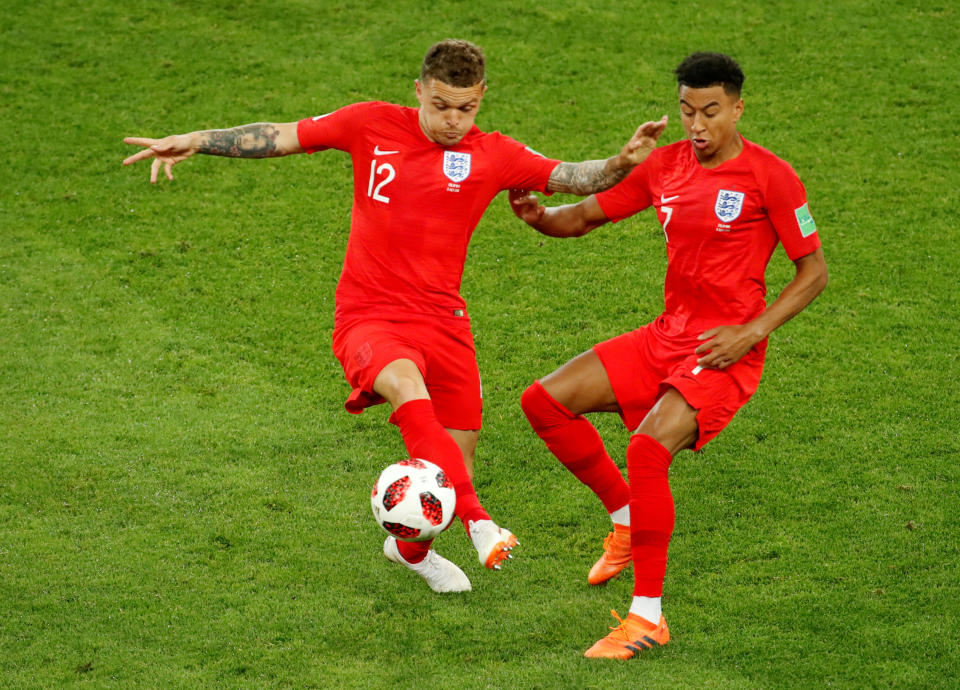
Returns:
(643, 141)
(725, 345)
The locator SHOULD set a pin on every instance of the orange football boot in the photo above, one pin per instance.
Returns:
(616, 556)
(635, 634)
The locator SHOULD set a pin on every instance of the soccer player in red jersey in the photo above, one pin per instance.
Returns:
(724, 204)
(422, 179)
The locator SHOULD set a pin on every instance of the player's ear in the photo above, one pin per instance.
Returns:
(419, 89)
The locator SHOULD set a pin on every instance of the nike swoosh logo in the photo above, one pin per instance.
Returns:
(668, 199)
(378, 152)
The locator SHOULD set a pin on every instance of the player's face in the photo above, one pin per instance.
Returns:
(709, 118)
(447, 112)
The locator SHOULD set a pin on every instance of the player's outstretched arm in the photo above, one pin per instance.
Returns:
(570, 220)
(590, 177)
(258, 140)
(725, 345)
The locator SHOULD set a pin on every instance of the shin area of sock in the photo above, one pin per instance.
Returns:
(575, 442)
(426, 438)
(651, 512)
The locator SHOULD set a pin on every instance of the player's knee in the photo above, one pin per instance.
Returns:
(541, 409)
(532, 403)
(647, 458)
(528, 402)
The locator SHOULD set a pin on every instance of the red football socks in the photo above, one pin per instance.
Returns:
(426, 438)
(413, 551)
(576, 443)
(651, 513)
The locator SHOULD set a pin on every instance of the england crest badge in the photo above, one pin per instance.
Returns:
(728, 206)
(456, 166)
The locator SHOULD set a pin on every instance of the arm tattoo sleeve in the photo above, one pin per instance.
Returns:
(585, 178)
(248, 141)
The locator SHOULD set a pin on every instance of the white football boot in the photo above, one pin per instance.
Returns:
(442, 575)
(493, 543)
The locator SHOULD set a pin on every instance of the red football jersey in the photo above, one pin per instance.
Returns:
(721, 227)
(415, 204)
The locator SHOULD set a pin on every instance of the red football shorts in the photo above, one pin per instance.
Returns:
(442, 349)
(642, 365)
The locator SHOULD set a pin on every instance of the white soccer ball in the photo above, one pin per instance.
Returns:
(413, 500)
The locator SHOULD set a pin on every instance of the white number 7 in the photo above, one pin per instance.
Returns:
(666, 221)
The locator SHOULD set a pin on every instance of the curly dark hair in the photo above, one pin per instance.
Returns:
(454, 62)
(700, 70)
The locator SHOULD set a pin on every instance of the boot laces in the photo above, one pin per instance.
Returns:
(621, 628)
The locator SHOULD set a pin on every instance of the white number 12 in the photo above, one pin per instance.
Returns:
(388, 172)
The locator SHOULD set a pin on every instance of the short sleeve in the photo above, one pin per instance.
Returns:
(520, 166)
(631, 195)
(334, 130)
(786, 202)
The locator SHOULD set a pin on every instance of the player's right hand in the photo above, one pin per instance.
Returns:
(526, 206)
(165, 152)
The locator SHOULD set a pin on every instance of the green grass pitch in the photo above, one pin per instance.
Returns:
(183, 500)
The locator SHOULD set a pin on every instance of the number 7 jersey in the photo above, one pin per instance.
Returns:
(415, 205)
(721, 225)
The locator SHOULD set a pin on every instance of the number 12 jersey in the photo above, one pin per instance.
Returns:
(415, 205)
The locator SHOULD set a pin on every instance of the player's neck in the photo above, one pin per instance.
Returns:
(423, 127)
(728, 152)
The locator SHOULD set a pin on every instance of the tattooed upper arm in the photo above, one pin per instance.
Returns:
(588, 177)
(258, 140)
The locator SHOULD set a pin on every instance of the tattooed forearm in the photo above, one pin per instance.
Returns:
(587, 177)
(258, 140)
